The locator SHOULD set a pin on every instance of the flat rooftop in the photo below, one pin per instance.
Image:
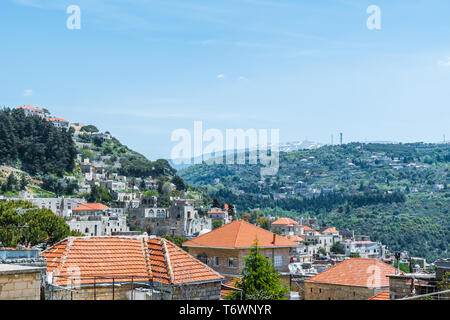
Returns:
(17, 269)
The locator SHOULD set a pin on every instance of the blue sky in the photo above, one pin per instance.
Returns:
(142, 68)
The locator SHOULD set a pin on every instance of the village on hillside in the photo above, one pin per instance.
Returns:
(149, 241)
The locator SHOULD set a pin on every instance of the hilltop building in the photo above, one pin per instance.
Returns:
(33, 111)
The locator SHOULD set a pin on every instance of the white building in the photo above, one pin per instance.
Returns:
(98, 226)
(33, 111)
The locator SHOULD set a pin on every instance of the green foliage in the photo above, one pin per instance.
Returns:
(89, 128)
(35, 143)
(100, 195)
(59, 186)
(260, 280)
(337, 248)
(150, 193)
(179, 183)
(399, 207)
(216, 224)
(23, 223)
(264, 223)
(178, 241)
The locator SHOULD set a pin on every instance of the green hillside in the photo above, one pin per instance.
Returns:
(396, 193)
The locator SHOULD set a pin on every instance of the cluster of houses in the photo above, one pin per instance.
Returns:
(125, 254)
(208, 267)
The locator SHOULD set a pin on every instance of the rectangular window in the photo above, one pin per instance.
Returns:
(216, 261)
(232, 263)
(278, 261)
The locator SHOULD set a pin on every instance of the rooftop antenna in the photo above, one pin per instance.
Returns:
(340, 134)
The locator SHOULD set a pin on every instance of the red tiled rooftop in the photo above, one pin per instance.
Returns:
(30, 107)
(57, 119)
(239, 234)
(138, 259)
(330, 230)
(91, 207)
(359, 272)
(285, 221)
(383, 295)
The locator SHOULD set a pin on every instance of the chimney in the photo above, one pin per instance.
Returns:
(245, 218)
(274, 236)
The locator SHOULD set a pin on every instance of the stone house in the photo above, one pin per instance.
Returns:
(225, 248)
(181, 216)
(352, 279)
(60, 206)
(287, 226)
(19, 282)
(124, 267)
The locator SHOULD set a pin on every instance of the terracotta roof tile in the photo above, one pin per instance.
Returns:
(383, 295)
(91, 207)
(239, 234)
(359, 272)
(330, 230)
(285, 221)
(126, 258)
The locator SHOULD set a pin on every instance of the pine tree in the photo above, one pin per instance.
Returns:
(260, 280)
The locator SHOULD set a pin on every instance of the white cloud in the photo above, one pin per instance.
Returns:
(242, 78)
(27, 93)
(445, 63)
(220, 76)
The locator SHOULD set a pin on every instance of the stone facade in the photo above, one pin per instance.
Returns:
(128, 291)
(99, 226)
(158, 221)
(230, 262)
(20, 282)
(323, 291)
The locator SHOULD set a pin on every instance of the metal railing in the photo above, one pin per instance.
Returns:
(105, 288)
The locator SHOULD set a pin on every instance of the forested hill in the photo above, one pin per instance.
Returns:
(34, 145)
(396, 193)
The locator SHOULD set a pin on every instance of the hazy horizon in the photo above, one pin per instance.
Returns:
(142, 69)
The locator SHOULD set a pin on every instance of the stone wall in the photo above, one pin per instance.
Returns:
(204, 291)
(239, 254)
(321, 291)
(20, 286)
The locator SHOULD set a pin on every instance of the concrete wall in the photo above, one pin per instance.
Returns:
(20, 285)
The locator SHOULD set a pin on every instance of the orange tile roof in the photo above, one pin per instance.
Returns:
(285, 221)
(306, 228)
(29, 107)
(57, 119)
(91, 207)
(126, 258)
(330, 230)
(360, 272)
(228, 287)
(383, 295)
(239, 234)
(296, 238)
